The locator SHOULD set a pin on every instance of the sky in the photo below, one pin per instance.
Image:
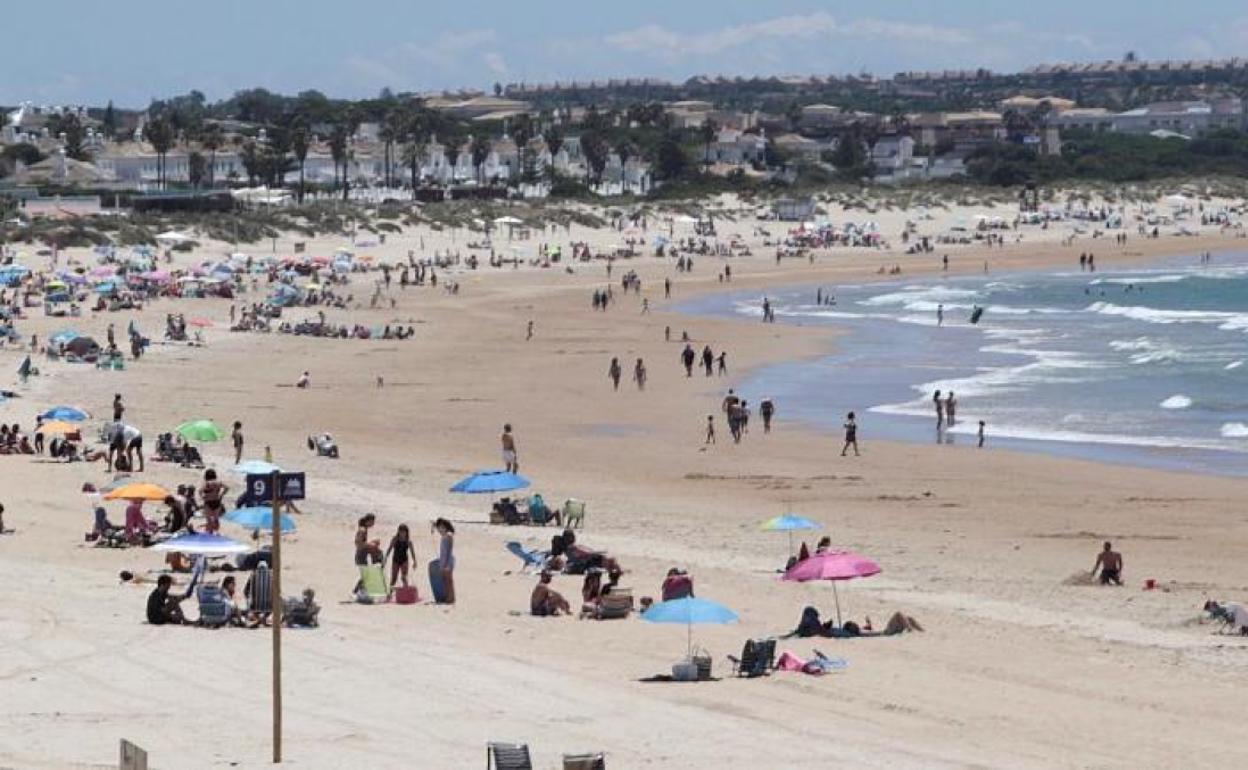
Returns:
(131, 51)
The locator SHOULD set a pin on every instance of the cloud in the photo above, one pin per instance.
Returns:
(494, 60)
(656, 39)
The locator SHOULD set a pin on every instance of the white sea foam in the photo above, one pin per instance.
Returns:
(1141, 279)
(1234, 365)
(911, 294)
(1177, 401)
(1234, 430)
(1226, 321)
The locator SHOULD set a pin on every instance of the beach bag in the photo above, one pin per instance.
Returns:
(406, 595)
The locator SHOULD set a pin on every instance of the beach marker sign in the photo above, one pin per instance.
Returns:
(290, 486)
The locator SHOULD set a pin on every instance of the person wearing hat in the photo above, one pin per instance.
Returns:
(546, 601)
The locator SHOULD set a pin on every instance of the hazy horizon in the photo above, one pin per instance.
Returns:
(151, 49)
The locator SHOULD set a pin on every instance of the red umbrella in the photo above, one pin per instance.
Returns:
(834, 566)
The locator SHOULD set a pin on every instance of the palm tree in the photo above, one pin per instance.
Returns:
(212, 140)
(708, 132)
(391, 131)
(415, 130)
(160, 134)
(554, 142)
(480, 149)
(299, 141)
(521, 133)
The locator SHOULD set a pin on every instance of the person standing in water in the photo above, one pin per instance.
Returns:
(982, 425)
(851, 435)
(767, 409)
(940, 315)
(940, 410)
(951, 405)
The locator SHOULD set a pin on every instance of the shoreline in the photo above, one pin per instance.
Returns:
(1158, 453)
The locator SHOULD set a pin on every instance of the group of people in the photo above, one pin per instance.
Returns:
(400, 554)
(737, 413)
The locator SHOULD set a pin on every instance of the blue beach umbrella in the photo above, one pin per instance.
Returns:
(689, 611)
(66, 413)
(789, 523)
(258, 517)
(487, 482)
(64, 337)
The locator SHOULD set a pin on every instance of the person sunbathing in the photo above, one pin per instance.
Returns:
(545, 601)
(578, 559)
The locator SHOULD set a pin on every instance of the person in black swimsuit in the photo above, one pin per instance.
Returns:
(404, 554)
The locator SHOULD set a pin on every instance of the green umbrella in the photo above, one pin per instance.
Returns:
(200, 430)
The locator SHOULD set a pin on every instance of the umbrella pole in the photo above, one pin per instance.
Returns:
(790, 542)
(837, 597)
(689, 650)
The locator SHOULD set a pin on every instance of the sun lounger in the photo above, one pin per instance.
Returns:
(585, 761)
(214, 610)
(573, 513)
(508, 756)
(757, 658)
(534, 559)
(616, 605)
(373, 580)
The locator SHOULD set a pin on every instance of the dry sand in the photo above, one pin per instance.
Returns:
(1019, 667)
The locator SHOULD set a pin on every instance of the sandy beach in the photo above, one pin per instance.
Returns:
(1020, 666)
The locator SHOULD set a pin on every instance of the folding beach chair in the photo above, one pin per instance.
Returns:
(534, 559)
(585, 761)
(616, 605)
(757, 658)
(373, 579)
(214, 611)
(508, 756)
(260, 593)
(573, 513)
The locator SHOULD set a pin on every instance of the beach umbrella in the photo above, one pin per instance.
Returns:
(687, 612)
(200, 430)
(485, 482)
(788, 523)
(63, 336)
(58, 427)
(258, 517)
(255, 467)
(139, 491)
(833, 566)
(66, 414)
(202, 544)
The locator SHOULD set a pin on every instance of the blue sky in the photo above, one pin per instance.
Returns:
(132, 50)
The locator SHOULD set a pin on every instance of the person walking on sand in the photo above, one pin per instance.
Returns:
(667, 288)
(851, 435)
(687, 357)
(710, 429)
(940, 410)
(1109, 562)
(723, 363)
(615, 372)
(236, 438)
(982, 425)
(951, 408)
(510, 460)
(639, 374)
(645, 306)
(446, 559)
(708, 360)
(529, 333)
(766, 410)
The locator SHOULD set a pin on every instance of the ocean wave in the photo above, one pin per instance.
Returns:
(909, 294)
(1234, 365)
(969, 426)
(1142, 279)
(1177, 401)
(1226, 321)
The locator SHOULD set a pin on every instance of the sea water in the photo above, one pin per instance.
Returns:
(1144, 366)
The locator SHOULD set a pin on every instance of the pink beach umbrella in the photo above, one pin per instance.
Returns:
(833, 566)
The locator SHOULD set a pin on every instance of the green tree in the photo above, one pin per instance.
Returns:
(671, 161)
(300, 139)
(707, 132)
(594, 147)
(212, 138)
(160, 134)
(554, 142)
(480, 149)
(196, 168)
(110, 120)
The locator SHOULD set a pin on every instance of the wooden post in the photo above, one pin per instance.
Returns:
(276, 585)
